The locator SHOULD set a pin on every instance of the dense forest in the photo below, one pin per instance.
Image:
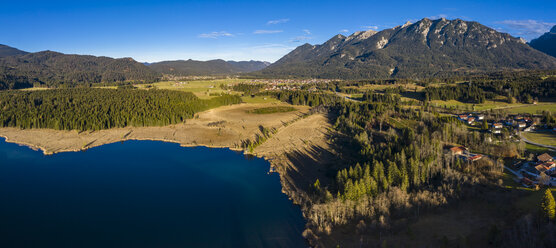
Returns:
(520, 90)
(465, 92)
(304, 97)
(246, 88)
(57, 70)
(395, 165)
(94, 109)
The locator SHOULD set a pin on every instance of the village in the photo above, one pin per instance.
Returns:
(533, 172)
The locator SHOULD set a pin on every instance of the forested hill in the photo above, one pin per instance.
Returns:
(206, 68)
(427, 48)
(53, 69)
(6, 51)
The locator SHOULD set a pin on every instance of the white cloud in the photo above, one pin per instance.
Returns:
(278, 21)
(307, 31)
(301, 38)
(434, 17)
(268, 31)
(344, 31)
(215, 35)
(527, 29)
(374, 27)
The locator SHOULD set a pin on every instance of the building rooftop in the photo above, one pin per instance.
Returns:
(545, 157)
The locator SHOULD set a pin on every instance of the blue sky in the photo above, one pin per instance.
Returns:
(151, 31)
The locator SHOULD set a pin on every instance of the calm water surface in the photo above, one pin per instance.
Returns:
(142, 194)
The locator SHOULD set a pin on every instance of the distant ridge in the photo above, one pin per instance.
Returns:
(55, 69)
(206, 68)
(546, 43)
(427, 48)
(6, 51)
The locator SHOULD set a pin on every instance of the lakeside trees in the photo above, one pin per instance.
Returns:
(94, 109)
(393, 161)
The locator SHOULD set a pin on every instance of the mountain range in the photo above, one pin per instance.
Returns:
(546, 43)
(19, 69)
(204, 68)
(427, 48)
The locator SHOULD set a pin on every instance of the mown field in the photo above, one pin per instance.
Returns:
(545, 138)
(516, 108)
(201, 88)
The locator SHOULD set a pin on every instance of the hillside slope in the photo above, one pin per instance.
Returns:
(6, 51)
(427, 48)
(55, 69)
(206, 68)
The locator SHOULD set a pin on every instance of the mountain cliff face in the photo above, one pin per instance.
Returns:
(546, 43)
(206, 68)
(426, 48)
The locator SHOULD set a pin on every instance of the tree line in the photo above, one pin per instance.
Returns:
(94, 109)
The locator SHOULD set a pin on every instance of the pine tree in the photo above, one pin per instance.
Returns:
(548, 205)
(485, 125)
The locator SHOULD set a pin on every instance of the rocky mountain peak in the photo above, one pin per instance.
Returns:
(425, 48)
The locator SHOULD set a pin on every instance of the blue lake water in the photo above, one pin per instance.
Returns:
(142, 194)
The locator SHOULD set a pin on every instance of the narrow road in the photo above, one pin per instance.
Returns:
(346, 97)
(537, 144)
(514, 172)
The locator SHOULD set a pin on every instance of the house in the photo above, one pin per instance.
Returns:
(457, 150)
(475, 157)
(470, 120)
(480, 117)
(463, 117)
(497, 125)
(545, 157)
(529, 128)
(541, 168)
(521, 124)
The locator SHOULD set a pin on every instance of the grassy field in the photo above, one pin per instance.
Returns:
(34, 88)
(534, 109)
(259, 99)
(536, 149)
(545, 138)
(531, 202)
(272, 110)
(201, 88)
(516, 108)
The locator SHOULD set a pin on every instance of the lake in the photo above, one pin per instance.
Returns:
(143, 194)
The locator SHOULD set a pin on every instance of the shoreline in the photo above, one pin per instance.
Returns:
(290, 152)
